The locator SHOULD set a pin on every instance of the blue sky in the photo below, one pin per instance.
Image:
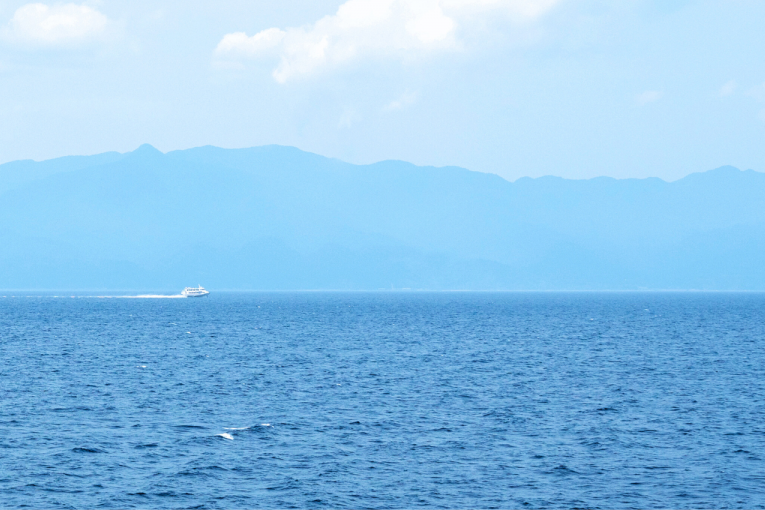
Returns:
(576, 88)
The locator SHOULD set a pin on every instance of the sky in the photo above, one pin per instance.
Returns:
(574, 88)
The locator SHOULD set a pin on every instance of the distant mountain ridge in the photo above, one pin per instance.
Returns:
(276, 217)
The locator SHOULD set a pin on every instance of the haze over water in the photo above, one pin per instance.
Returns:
(384, 400)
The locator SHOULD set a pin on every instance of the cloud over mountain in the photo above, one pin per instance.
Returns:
(363, 28)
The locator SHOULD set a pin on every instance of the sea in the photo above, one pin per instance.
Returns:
(383, 400)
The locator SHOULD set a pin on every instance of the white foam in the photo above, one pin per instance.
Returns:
(265, 424)
(142, 296)
(226, 435)
(152, 296)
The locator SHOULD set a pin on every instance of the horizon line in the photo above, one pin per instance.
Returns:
(148, 145)
(391, 291)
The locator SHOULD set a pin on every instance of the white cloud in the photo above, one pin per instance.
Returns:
(758, 93)
(649, 96)
(58, 25)
(239, 43)
(406, 99)
(348, 118)
(728, 89)
(363, 28)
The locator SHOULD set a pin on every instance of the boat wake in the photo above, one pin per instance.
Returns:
(148, 296)
(142, 296)
(187, 292)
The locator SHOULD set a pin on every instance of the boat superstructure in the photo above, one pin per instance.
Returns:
(194, 292)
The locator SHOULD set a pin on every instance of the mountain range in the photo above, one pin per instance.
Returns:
(278, 218)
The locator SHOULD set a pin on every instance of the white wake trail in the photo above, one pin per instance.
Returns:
(150, 296)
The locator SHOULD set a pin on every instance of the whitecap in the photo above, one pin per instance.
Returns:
(226, 435)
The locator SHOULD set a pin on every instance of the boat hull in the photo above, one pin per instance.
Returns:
(196, 294)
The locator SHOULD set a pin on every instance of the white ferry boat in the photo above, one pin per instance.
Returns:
(194, 292)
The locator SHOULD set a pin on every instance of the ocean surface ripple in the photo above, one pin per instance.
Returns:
(384, 400)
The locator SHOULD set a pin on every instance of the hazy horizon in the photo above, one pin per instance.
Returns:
(387, 160)
(278, 218)
(575, 88)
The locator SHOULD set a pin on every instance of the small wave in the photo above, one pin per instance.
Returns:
(167, 494)
(253, 427)
(194, 473)
(202, 471)
(563, 470)
(87, 450)
(226, 435)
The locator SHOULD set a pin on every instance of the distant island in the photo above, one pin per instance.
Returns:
(277, 218)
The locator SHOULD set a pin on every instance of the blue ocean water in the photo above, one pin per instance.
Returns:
(384, 400)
